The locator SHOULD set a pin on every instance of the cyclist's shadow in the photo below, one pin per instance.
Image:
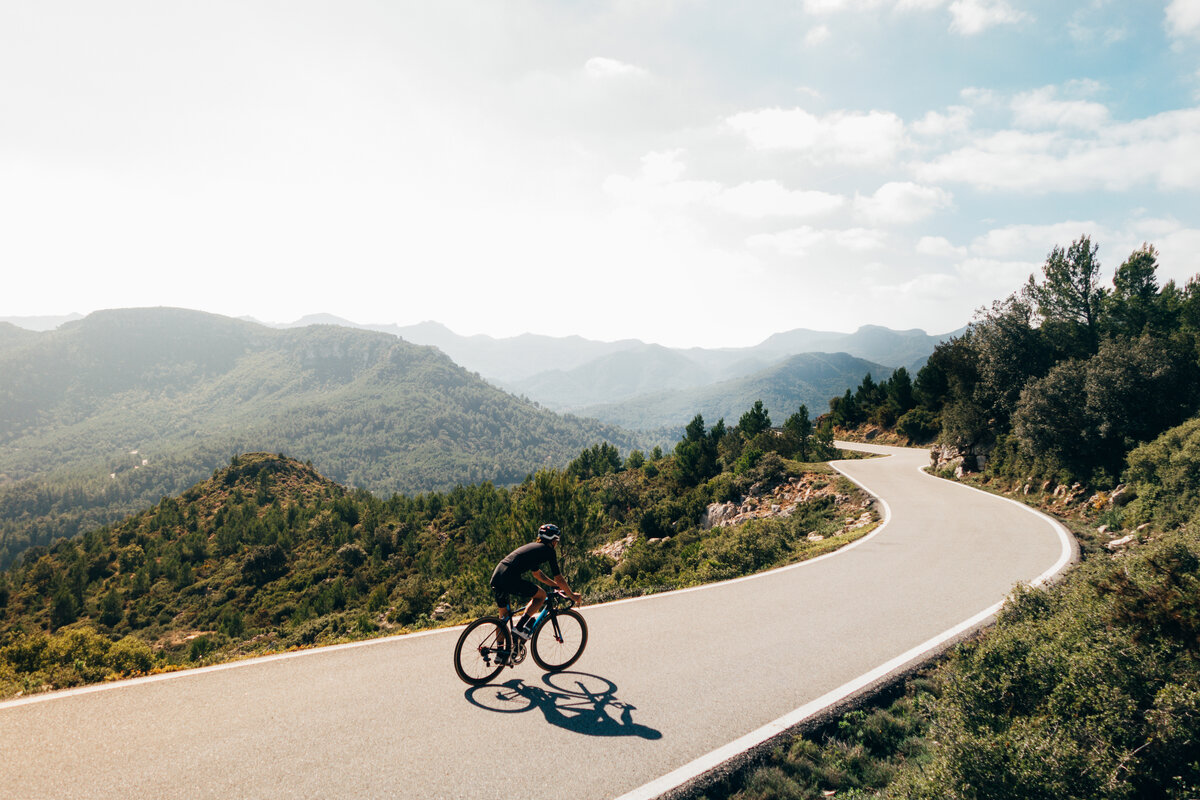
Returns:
(575, 701)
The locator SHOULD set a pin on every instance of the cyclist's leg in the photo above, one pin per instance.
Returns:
(535, 602)
(500, 591)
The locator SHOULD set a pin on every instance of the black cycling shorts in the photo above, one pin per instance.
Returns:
(503, 585)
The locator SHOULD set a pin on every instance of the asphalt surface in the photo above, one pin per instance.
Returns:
(665, 681)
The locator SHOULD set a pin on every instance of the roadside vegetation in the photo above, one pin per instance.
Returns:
(269, 555)
(1082, 400)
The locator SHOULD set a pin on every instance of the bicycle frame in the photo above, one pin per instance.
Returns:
(549, 607)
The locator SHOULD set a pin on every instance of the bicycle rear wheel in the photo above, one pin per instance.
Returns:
(559, 640)
(480, 652)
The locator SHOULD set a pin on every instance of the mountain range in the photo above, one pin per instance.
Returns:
(104, 415)
(645, 386)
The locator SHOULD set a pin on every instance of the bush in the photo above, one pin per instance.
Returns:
(130, 656)
(918, 425)
(1166, 475)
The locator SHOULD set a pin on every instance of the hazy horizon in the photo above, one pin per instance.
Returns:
(681, 172)
(46, 322)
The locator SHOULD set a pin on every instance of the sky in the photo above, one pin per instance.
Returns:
(686, 172)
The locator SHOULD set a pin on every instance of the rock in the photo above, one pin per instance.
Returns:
(1143, 527)
(815, 537)
(1120, 496)
(1028, 487)
(615, 550)
(1119, 543)
(1102, 529)
(774, 509)
(717, 514)
(441, 610)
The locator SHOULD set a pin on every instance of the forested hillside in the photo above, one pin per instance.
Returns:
(1065, 377)
(808, 379)
(108, 414)
(269, 554)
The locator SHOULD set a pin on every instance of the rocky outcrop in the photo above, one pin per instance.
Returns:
(781, 502)
(959, 459)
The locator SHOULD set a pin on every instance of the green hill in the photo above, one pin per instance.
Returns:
(809, 379)
(109, 413)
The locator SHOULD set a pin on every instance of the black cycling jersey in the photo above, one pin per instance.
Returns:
(529, 557)
(507, 580)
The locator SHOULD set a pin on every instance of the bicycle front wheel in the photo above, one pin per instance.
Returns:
(480, 652)
(559, 640)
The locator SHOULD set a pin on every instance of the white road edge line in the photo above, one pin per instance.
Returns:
(699, 766)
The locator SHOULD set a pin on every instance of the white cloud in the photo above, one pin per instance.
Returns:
(802, 241)
(771, 199)
(817, 36)
(843, 137)
(1041, 108)
(835, 6)
(659, 183)
(970, 17)
(663, 166)
(608, 68)
(1033, 241)
(931, 289)
(997, 276)
(934, 124)
(967, 17)
(1163, 150)
(1183, 18)
(938, 247)
(900, 203)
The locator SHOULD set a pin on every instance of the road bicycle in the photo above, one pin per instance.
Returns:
(490, 644)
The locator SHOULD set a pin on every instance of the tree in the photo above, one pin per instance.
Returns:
(798, 431)
(844, 411)
(1137, 389)
(869, 394)
(754, 421)
(111, 610)
(950, 373)
(1069, 298)
(899, 388)
(1009, 352)
(1051, 422)
(695, 455)
(1132, 305)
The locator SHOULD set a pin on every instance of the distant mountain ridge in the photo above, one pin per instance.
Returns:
(593, 378)
(810, 379)
(109, 413)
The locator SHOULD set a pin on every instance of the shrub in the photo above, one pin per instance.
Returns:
(1166, 474)
(918, 425)
(130, 656)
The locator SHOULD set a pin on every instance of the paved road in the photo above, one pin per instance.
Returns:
(665, 681)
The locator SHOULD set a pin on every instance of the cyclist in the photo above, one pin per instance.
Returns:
(508, 578)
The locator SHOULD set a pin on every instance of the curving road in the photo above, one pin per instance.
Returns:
(669, 686)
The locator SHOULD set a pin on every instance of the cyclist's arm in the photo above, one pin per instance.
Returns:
(559, 582)
(541, 576)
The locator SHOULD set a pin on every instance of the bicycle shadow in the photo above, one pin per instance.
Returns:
(575, 701)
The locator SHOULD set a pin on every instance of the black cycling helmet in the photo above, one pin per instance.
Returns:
(549, 533)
